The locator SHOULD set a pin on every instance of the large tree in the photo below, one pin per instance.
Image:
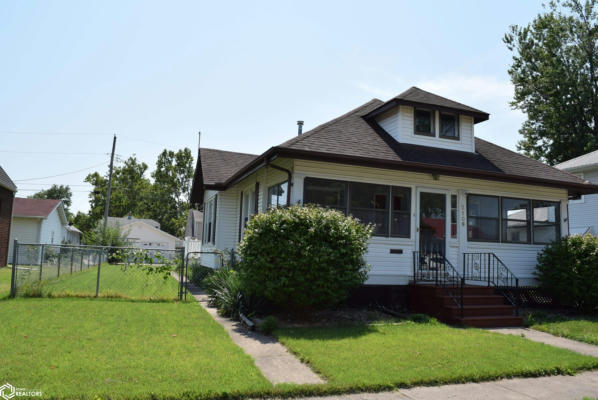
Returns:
(555, 74)
(169, 199)
(57, 192)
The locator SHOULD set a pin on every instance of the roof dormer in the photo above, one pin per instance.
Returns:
(423, 118)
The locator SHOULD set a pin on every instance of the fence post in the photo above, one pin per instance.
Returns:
(59, 259)
(13, 276)
(98, 279)
(81, 266)
(41, 262)
(72, 256)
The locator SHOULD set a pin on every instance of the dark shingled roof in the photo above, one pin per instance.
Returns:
(354, 138)
(219, 165)
(6, 182)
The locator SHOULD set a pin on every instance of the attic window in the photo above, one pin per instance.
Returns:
(424, 122)
(449, 127)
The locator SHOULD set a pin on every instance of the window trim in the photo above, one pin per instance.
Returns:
(556, 224)
(388, 210)
(532, 241)
(268, 204)
(498, 219)
(432, 112)
(529, 220)
(457, 126)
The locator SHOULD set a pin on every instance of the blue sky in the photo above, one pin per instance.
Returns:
(155, 72)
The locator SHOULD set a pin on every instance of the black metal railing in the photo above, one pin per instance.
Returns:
(433, 267)
(488, 268)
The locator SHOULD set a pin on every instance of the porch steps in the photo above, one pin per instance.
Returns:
(483, 306)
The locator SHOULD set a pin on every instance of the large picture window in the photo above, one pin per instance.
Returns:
(388, 208)
(515, 220)
(482, 218)
(424, 122)
(546, 221)
(511, 220)
(277, 194)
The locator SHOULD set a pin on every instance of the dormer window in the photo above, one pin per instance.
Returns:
(424, 122)
(449, 127)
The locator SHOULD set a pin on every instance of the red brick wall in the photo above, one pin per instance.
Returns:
(6, 199)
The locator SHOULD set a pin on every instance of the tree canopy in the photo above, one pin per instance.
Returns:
(165, 199)
(554, 71)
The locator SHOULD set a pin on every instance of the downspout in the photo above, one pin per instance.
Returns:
(289, 173)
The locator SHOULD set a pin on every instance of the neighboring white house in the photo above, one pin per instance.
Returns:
(145, 233)
(37, 221)
(73, 235)
(413, 167)
(583, 212)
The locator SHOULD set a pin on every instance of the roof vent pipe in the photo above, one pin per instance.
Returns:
(299, 128)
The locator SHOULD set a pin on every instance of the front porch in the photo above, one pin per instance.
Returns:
(479, 294)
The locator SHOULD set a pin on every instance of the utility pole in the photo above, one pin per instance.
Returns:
(107, 208)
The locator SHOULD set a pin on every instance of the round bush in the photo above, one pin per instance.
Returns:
(303, 256)
(568, 268)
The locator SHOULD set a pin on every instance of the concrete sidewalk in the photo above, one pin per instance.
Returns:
(273, 359)
(546, 388)
(552, 340)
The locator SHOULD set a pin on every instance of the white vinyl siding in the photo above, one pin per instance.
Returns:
(584, 214)
(399, 123)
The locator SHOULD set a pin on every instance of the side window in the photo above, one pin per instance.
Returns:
(546, 216)
(515, 220)
(449, 126)
(277, 194)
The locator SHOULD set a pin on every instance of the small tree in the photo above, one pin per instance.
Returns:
(300, 257)
(568, 268)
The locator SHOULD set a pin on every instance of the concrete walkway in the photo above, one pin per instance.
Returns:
(272, 358)
(546, 388)
(552, 340)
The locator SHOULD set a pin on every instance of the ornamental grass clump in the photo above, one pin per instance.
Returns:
(303, 257)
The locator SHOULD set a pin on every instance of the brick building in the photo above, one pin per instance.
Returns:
(7, 195)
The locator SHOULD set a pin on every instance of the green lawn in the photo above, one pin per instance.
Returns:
(115, 281)
(391, 355)
(5, 273)
(71, 347)
(584, 329)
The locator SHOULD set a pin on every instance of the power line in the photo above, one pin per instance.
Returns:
(64, 184)
(37, 190)
(53, 152)
(66, 173)
(42, 133)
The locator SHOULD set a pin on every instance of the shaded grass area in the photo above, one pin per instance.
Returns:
(73, 348)
(5, 273)
(581, 328)
(115, 281)
(406, 354)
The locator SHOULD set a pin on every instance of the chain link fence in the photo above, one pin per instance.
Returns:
(47, 270)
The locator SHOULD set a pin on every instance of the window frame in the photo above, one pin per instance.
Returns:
(556, 224)
(432, 112)
(209, 226)
(498, 219)
(269, 205)
(456, 210)
(457, 126)
(529, 220)
(389, 211)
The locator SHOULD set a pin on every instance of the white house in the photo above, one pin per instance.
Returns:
(37, 221)
(145, 233)
(440, 198)
(583, 211)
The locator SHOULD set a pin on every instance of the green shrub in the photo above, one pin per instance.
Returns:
(568, 268)
(224, 291)
(302, 257)
(422, 319)
(268, 325)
